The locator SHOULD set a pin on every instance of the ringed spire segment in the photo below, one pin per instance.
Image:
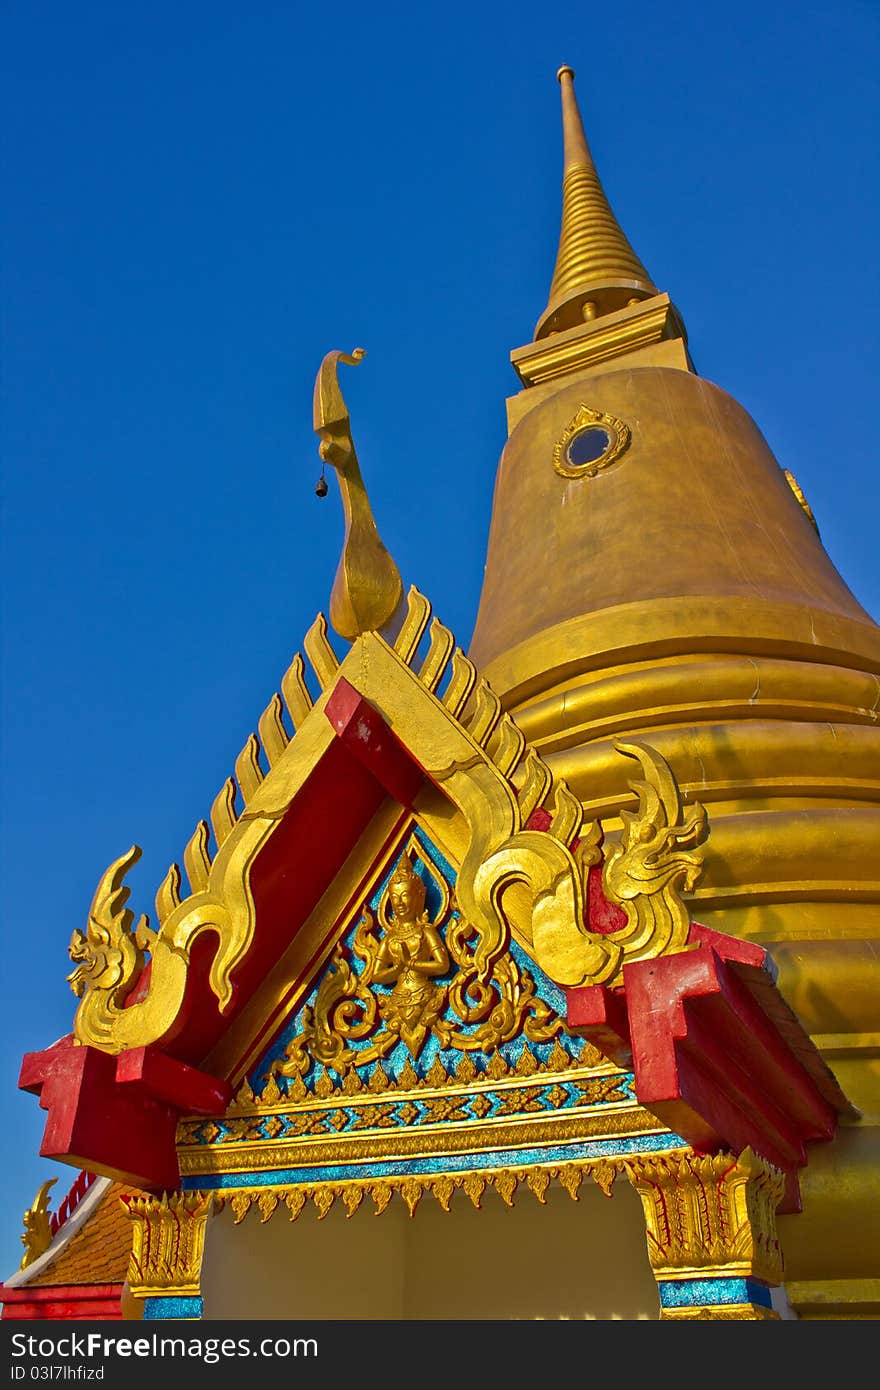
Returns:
(597, 270)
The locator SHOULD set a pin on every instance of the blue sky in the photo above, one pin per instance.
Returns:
(203, 199)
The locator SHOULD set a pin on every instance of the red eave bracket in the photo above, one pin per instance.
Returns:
(117, 1115)
(716, 1053)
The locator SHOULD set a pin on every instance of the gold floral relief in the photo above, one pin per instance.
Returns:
(710, 1214)
(168, 1241)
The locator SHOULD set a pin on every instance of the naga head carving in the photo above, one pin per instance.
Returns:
(108, 951)
(656, 859)
(659, 841)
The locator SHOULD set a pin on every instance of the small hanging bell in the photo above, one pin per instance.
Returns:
(321, 487)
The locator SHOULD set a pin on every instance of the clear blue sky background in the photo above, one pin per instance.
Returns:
(201, 200)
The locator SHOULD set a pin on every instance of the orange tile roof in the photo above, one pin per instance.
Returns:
(98, 1252)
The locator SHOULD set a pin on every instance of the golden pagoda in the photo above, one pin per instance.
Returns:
(587, 911)
(677, 588)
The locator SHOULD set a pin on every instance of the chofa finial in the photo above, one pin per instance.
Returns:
(367, 590)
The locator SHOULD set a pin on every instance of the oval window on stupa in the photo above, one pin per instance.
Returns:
(590, 442)
(588, 446)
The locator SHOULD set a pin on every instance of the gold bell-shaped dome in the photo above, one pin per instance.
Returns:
(653, 571)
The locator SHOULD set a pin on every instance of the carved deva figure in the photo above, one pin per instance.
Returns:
(410, 952)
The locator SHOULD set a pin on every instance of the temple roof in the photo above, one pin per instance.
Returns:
(98, 1252)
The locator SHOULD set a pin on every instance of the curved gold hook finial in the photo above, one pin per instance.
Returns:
(331, 418)
(367, 589)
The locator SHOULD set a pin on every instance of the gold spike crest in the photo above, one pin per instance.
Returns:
(295, 691)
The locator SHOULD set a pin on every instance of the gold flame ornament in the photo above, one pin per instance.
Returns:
(37, 1235)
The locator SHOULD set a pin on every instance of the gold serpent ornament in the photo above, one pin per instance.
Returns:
(655, 859)
(109, 952)
(112, 953)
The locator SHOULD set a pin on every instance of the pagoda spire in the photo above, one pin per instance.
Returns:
(597, 271)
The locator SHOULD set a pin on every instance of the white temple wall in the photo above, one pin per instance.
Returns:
(575, 1260)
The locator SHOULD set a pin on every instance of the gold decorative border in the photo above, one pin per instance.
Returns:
(381, 1131)
(536, 1178)
(712, 1209)
(465, 1079)
(721, 1312)
(427, 1141)
(585, 416)
(712, 1206)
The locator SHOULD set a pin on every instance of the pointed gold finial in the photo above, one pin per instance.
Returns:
(597, 271)
(367, 590)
